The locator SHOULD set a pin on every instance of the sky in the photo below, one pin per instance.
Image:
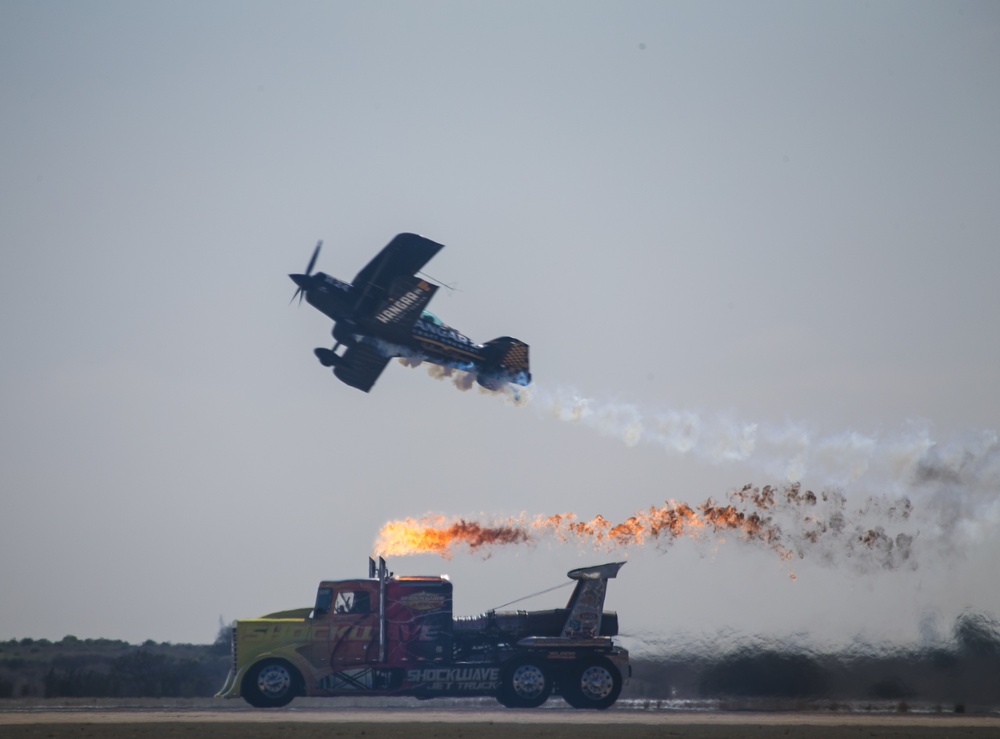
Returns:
(747, 242)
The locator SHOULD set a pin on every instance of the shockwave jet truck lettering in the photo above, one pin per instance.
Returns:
(381, 315)
(389, 635)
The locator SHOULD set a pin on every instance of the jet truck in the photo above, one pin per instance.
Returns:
(396, 636)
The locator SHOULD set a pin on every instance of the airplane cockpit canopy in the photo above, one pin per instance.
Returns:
(431, 318)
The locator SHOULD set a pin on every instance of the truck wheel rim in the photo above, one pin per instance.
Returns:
(596, 683)
(274, 681)
(528, 681)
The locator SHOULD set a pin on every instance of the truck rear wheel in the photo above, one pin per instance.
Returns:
(525, 684)
(271, 683)
(594, 683)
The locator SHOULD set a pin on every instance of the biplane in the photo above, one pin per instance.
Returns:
(382, 314)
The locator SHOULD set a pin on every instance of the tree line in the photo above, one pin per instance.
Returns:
(106, 668)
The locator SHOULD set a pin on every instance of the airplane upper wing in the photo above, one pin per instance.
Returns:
(405, 255)
(361, 366)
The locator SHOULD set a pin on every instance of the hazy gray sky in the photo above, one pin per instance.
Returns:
(777, 221)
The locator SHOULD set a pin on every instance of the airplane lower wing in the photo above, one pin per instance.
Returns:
(360, 366)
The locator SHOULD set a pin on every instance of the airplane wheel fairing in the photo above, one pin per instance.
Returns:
(596, 684)
(525, 684)
(326, 357)
(271, 683)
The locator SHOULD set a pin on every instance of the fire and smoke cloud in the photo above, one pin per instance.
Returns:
(791, 522)
(955, 482)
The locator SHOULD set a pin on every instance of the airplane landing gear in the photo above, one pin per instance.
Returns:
(326, 357)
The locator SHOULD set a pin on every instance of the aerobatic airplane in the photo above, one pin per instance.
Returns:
(381, 315)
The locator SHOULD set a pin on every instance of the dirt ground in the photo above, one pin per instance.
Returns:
(455, 724)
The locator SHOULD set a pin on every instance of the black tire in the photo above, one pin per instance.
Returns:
(594, 683)
(325, 356)
(525, 683)
(271, 683)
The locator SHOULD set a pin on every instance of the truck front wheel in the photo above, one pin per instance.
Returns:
(525, 684)
(594, 683)
(271, 683)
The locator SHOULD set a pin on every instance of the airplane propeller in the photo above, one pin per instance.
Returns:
(303, 280)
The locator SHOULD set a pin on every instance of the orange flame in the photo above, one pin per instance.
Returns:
(438, 535)
(441, 535)
(751, 514)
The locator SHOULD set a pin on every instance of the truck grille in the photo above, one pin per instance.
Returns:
(233, 643)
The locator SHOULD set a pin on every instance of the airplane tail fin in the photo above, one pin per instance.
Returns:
(506, 360)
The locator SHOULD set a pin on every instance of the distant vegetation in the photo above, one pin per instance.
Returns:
(106, 668)
(965, 675)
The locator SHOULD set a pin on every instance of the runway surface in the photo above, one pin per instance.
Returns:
(397, 723)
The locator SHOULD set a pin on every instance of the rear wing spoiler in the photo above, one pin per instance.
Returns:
(586, 605)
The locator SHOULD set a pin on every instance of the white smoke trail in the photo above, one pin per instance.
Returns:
(791, 451)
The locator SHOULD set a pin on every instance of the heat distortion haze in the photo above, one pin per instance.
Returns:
(880, 500)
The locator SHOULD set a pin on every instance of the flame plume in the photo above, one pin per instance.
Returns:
(789, 522)
(439, 535)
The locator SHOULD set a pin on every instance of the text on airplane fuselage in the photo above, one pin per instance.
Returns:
(398, 308)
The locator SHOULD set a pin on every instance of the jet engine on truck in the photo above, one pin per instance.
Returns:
(388, 635)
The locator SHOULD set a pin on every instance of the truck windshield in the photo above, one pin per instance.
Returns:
(323, 599)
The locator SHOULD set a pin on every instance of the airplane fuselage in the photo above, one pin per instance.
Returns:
(429, 340)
